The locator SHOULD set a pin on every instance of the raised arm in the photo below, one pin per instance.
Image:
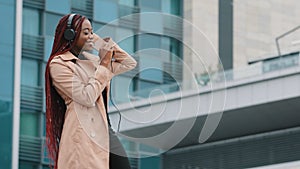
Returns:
(121, 61)
(69, 84)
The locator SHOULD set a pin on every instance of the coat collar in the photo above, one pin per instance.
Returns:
(68, 56)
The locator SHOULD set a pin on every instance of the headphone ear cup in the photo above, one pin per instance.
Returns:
(69, 34)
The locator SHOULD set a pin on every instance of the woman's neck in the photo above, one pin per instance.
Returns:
(74, 52)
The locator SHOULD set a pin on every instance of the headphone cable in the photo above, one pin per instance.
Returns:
(110, 97)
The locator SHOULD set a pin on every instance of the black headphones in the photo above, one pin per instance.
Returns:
(69, 33)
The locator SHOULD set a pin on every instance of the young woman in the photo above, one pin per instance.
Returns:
(79, 134)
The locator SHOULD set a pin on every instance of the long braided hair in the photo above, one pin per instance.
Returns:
(55, 105)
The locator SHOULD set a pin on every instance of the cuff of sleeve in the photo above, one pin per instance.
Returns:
(103, 74)
(109, 43)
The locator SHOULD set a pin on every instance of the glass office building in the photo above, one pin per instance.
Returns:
(7, 9)
(39, 19)
(270, 137)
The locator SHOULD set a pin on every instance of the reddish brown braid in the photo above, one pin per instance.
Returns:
(55, 105)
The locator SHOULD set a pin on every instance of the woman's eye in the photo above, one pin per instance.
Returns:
(85, 33)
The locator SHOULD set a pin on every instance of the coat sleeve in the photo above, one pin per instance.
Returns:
(69, 84)
(122, 61)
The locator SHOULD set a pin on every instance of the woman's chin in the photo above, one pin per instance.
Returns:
(87, 48)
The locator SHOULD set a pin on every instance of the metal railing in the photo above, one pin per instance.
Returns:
(256, 69)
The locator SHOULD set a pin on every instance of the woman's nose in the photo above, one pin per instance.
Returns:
(91, 36)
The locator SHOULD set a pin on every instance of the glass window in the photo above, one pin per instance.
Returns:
(145, 88)
(150, 73)
(127, 2)
(149, 41)
(7, 13)
(30, 72)
(173, 46)
(120, 93)
(126, 39)
(166, 6)
(175, 49)
(125, 10)
(151, 162)
(48, 47)
(46, 167)
(172, 7)
(151, 23)
(51, 21)
(29, 124)
(25, 165)
(31, 22)
(105, 10)
(44, 124)
(97, 26)
(176, 7)
(45, 155)
(106, 31)
(165, 43)
(150, 58)
(6, 135)
(63, 7)
(153, 4)
(43, 84)
(6, 66)
(79, 4)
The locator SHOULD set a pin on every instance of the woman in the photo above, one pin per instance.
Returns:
(78, 130)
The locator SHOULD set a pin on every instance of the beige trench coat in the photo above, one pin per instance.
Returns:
(84, 142)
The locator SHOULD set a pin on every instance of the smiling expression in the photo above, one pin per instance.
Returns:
(86, 37)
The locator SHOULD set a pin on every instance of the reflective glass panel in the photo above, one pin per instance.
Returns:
(29, 124)
(63, 7)
(105, 10)
(7, 15)
(30, 72)
(31, 22)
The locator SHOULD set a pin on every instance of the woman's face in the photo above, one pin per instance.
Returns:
(85, 40)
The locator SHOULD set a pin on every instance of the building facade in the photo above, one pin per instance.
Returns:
(39, 19)
(241, 32)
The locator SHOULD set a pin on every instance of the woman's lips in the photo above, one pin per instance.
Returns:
(90, 43)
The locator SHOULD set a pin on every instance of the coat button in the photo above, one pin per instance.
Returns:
(93, 134)
(92, 119)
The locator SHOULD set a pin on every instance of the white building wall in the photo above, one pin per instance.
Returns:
(203, 15)
(257, 23)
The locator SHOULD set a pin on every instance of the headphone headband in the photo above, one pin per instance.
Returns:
(70, 19)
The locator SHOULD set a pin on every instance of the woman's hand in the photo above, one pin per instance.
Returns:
(105, 50)
(106, 57)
